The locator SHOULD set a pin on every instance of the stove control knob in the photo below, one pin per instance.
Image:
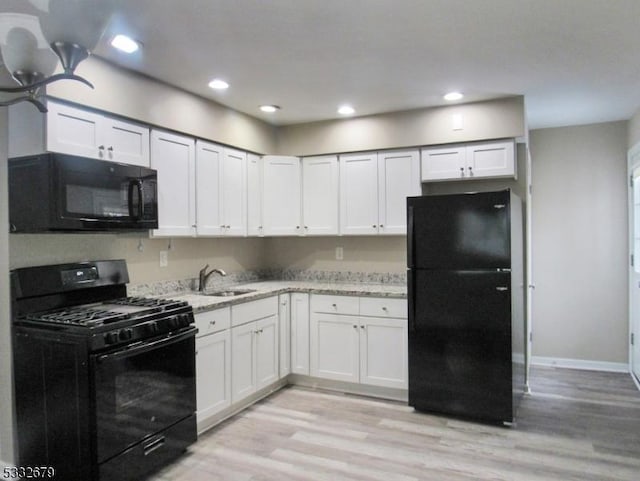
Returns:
(185, 320)
(152, 328)
(173, 322)
(111, 338)
(125, 334)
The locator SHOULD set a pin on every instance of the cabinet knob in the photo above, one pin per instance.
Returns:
(374, 226)
(355, 326)
(297, 227)
(361, 327)
(100, 147)
(212, 323)
(384, 308)
(381, 225)
(110, 149)
(335, 306)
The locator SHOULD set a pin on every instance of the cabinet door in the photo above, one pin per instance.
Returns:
(234, 191)
(281, 195)
(300, 333)
(383, 352)
(359, 194)
(334, 347)
(491, 159)
(284, 320)
(254, 195)
(173, 156)
(74, 131)
(243, 362)
(320, 195)
(208, 194)
(213, 373)
(443, 163)
(267, 353)
(126, 142)
(398, 178)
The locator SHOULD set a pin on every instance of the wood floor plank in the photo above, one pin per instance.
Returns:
(574, 426)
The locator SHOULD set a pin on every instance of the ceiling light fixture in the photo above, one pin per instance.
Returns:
(269, 108)
(346, 110)
(218, 84)
(30, 80)
(451, 96)
(125, 44)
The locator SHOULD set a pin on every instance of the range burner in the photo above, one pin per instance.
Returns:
(79, 316)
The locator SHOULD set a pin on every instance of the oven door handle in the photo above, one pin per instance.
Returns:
(137, 185)
(136, 349)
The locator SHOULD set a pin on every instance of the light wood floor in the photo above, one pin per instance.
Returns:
(576, 425)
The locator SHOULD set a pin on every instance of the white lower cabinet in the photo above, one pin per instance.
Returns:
(299, 312)
(213, 374)
(213, 362)
(284, 318)
(334, 347)
(348, 344)
(254, 347)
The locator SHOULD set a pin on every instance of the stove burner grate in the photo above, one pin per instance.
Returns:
(80, 316)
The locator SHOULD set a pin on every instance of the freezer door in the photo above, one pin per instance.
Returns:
(461, 231)
(460, 343)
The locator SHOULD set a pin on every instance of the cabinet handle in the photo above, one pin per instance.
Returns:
(110, 149)
(100, 147)
(361, 327)
(212, 323)
(284, 303)
(470, 171)
(461, 171)
(355, 326)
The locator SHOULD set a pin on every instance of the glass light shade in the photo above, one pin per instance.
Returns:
(89, 19)
(21, 53)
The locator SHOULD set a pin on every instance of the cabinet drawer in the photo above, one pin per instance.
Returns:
(335, 304)
(251, 311)
(383, 307)
(213, 321)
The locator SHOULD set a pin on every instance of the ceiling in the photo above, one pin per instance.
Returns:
(575, 61)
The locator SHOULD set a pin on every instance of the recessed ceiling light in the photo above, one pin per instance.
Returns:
(451, 96)
(218, 84)
(269, 108)
(125, 44)
(346, 110)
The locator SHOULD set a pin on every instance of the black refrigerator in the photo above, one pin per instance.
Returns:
(466, 304)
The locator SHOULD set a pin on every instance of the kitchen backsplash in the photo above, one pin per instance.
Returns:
(221, 282)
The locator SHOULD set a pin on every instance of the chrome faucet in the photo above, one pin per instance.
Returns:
(204, 276)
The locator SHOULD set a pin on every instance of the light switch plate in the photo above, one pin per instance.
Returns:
(164, 258)
(339, 253)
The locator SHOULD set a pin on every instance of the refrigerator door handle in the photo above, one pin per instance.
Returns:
(410, 240)
(411, 321)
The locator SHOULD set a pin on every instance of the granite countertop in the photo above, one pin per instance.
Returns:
(201, 303)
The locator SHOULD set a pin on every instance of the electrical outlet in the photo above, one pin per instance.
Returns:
(339, 253)
(164, 258)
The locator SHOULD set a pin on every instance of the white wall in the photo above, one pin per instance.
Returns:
(494, 119)
(6, 389)
(579, 227)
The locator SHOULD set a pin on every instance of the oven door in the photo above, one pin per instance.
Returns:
(142, 390)
(95, 195)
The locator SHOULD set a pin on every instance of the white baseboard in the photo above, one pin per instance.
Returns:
(580, 364)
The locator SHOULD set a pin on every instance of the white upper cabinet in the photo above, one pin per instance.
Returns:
(125, 142)
(254, 195)
(70, 130)
(359, 193)
(373, 191)
(281, 195)
(469, 161)
(173, 156)
(398, 178)
(220, 190)
(234, 192)
(208, 193)
(320, 191)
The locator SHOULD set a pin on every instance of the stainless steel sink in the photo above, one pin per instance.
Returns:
(229, 292)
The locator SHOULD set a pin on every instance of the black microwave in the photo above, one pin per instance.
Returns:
(59, 192)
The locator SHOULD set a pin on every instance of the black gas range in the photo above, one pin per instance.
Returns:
(104, 382)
